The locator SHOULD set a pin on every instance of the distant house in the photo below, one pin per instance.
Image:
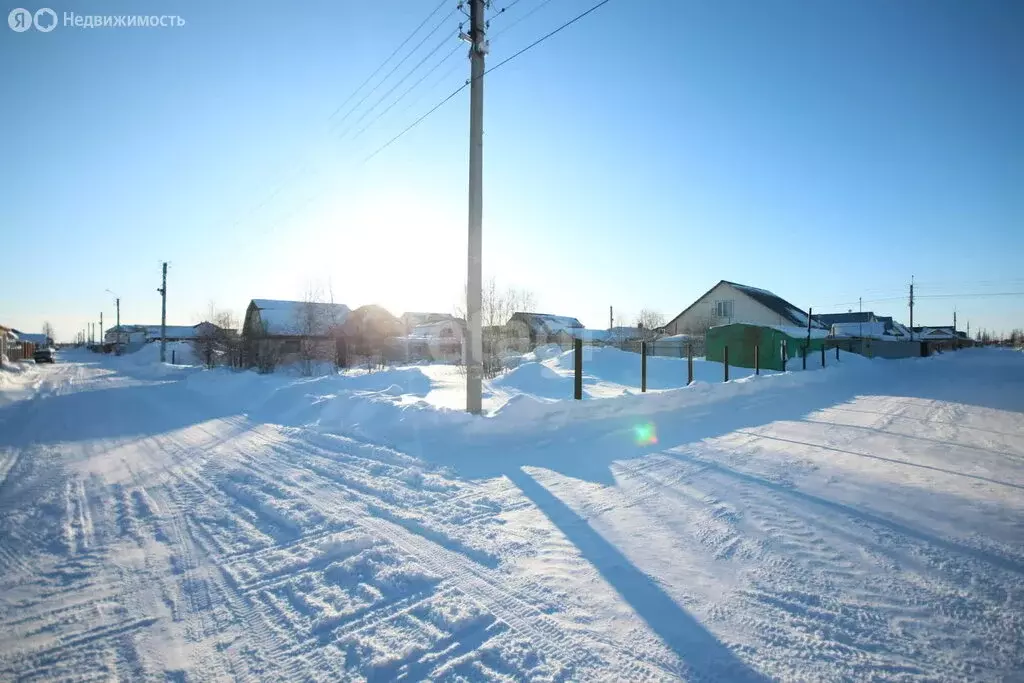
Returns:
(8, 342)
(940, 333)
(276, 331)
(141, 334)
(33, 338)
(367, 329)
(450, 328)
(862, 324)
(542, 328)
(730, 302)
(830, 319)
(411, 319)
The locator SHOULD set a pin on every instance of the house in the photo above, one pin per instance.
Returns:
(277, 331)
(450, 328)
(411, 319)
(542, 328)
(36, 339)
(730, 302)
(367, 329)
(830, 319)
(8, 342)
(941, 333)
(126, 335)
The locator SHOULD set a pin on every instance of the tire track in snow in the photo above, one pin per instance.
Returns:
(474, 580)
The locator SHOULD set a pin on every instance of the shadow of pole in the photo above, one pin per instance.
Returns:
(702, 655)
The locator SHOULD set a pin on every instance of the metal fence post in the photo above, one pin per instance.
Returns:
(172, 357)
(837, 350)
(726, 364)
(757, 359)
(803, 354)
(643, 366)
(785, 354)
(578, 368)
(689, 365)
(823, 355)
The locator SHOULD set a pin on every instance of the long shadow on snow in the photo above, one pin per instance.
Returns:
(106, 413)
(703, 655)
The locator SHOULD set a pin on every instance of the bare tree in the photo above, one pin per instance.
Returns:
(49, 332)
(218, 342)
(650, 319)
(497, 306)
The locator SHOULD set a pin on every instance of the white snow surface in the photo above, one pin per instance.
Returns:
(857, 522)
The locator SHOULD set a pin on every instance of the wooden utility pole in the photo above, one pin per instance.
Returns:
(103, 335)
(474, 276)
(163, 316)
(117, 346)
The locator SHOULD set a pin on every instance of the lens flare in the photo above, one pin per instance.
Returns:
(645, 434)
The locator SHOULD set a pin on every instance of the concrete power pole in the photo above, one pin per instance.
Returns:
(117, 345)
(911, 308)
(611, 318)
(103, 335)
(163, 317)
(474, 277)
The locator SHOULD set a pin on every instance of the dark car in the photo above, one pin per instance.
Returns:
(44, 355)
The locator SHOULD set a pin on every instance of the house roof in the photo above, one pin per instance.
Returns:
(830, 319)
(34, 338)
(548, 323)
(775, 303)
(286, 318)
(769, 300)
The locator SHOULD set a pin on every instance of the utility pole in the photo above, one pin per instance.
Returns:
(911, 308)
(103, 336)
(117, 346)
(611, 318)
(860, 309)
(163, 317)
(474, 278)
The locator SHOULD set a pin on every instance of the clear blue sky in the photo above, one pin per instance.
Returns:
(824, 151)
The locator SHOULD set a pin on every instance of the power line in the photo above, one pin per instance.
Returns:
(382, 81)
(410, 89)
(521, 19)
(400, 81)
(301, 166)
(493, 68)
(389, 58)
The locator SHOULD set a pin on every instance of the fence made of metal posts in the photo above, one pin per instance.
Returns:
(725, 364)
(578, 369)
(689, 365)
(643, 367)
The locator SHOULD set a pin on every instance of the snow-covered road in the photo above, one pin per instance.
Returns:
(867, 527)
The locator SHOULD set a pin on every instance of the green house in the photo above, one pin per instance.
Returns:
(742, 340)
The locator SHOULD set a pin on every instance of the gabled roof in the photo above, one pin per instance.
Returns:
(291, 318)
(34, 338)
(769, 300)
(830, 319)
(549, 324)
(775, 303)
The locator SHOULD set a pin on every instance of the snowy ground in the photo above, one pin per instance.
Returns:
(864, 522)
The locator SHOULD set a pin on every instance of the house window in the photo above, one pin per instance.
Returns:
(446, 332)
(723, 309)
(290, 346)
